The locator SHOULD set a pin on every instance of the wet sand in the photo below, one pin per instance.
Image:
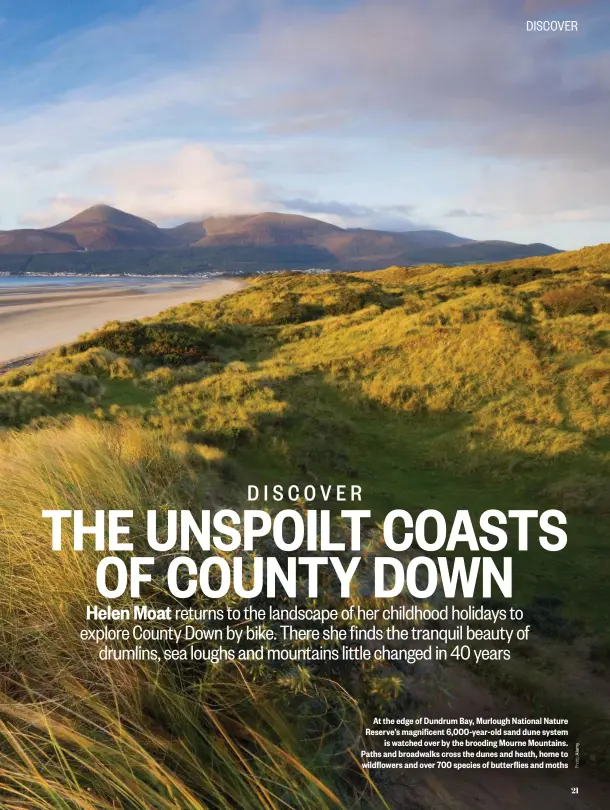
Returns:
(37, 319)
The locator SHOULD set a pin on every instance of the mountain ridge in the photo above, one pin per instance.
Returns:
(103, 228)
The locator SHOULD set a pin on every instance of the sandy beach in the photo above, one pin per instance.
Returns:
(39, 318)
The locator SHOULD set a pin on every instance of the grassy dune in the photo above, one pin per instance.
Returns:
(438, 387)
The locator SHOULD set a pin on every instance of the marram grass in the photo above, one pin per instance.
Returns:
(78, 732)
(197, 755)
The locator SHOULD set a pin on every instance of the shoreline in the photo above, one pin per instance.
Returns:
(34, 322)
(18, 362)
(122, 276)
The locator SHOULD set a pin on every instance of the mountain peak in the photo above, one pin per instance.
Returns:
(102, 227)
(101, 209)
(105, 215)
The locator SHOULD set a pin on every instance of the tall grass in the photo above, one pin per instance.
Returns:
(87, 466)
(197, 754)
(80, 732)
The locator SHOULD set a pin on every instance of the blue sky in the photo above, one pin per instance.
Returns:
(367, 113)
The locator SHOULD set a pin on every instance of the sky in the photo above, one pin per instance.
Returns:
(392, 114)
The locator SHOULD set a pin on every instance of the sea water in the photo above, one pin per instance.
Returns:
(27, 284)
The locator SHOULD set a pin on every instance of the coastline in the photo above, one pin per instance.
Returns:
(34, 321)
(18, 362)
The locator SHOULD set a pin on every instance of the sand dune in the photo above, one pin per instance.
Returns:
(38, 319)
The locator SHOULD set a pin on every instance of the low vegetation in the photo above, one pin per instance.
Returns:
(435, 387)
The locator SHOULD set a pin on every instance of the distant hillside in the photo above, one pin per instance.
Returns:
(266, 229)
(287, 241)
(184, 235)
(470, 252)
(594, 257)
(28, 240)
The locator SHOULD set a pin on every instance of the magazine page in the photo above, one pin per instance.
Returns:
(304, 405)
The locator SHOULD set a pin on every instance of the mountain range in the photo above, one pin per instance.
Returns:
(268, 238)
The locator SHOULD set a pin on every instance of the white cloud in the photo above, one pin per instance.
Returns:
(355, 215)
(192, 183)
(168, 186)
(544, 193)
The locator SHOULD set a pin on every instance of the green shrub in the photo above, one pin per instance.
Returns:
(581, 494)
(167, 342)
(287, 308)
(63, 389)
(584, 299)
(40, 394)
(18, 407)
(510, 276)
